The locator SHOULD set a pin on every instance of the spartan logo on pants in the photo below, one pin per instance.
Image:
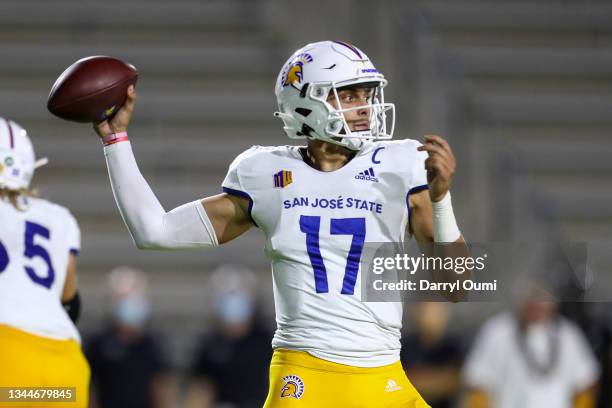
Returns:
(293, 387)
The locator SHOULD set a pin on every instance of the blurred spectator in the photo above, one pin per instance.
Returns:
(431, 357)
(532, 358)
(595, 320)
(230, 368)
(128, 368)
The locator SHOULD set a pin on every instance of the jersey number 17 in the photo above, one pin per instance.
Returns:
(310, 225)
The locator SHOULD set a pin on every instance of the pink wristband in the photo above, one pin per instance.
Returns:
(115, 138)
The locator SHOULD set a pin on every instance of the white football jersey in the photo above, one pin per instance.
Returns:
(316, 224)
(34, 251)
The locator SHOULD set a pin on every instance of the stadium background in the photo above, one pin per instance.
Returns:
(521, 89)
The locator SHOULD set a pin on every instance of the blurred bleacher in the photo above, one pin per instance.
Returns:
(520, 88)
(538, 77)
(205, 87)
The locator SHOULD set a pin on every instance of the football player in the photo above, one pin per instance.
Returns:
(39, 302)
(317, 205)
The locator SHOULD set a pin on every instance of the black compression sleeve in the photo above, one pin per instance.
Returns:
(73, 307)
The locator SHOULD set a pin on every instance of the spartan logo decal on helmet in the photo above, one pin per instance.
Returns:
(293, 71)
(16, 156)
(315, 72)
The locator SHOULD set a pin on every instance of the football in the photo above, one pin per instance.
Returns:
(92, 89)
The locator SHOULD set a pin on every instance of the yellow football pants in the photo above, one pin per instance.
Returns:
(298, 379)
(27, 360)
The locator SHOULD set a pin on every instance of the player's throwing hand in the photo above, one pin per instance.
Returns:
(120, 121)
(440, 166)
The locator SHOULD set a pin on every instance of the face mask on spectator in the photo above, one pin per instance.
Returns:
(131, 311)
(236, 307)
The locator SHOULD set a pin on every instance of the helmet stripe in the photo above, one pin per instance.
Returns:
(11, 138)
(10, 131)
(11, 135)
(350, 47)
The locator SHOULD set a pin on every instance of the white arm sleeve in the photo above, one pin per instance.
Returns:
(151, 227)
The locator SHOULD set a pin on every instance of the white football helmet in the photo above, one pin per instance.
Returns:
(312, 74)
(17, 162)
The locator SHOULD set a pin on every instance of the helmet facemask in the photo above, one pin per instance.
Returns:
(338, 130)
(324, 122)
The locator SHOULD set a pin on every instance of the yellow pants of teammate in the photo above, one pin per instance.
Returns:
(27, 360)
(298, 379)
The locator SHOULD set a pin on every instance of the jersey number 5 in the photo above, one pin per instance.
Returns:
(310, 225)
(32, 250)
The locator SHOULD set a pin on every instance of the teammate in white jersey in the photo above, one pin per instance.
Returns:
(317, 205)
(39, 241)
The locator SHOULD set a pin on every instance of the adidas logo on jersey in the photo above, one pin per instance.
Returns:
(392, 386)
(367, 175)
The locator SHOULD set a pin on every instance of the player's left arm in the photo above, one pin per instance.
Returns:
(70, 296)
(432, 220)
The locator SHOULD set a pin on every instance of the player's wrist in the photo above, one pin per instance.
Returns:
(444, 222)
(113, 138)
(436, 198)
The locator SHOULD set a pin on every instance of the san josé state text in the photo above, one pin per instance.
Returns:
(333, 203)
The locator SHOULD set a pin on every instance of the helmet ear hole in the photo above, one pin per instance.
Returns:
(335, 126)
(303, 111)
